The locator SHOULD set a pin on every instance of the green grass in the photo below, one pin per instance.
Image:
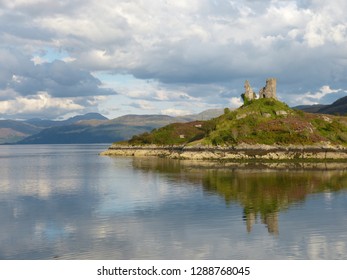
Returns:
(261, 121)
(172, 134)
(268, 121)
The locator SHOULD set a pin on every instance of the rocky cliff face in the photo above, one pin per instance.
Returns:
(320, 152)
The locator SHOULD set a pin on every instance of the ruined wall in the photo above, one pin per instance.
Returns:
(249, 93)
(269, 91)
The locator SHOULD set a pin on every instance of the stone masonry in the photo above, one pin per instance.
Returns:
(269, 91)
(249, 93)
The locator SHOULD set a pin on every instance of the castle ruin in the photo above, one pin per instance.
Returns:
(249, 93)
(269, 91)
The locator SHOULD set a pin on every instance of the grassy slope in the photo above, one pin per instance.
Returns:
(262, 121)
(172, 134)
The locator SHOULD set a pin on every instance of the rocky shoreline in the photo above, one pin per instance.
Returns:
(231, 153)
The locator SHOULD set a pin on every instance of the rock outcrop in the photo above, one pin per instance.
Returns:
(321, 152)
(269, 91)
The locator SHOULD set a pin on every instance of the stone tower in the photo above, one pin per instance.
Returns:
(269, 91)
(249, 93)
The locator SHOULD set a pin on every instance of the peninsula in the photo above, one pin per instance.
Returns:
(263, 128)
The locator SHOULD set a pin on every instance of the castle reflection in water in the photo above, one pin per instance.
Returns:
(263, 191)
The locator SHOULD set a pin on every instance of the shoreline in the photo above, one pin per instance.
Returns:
(324, 152)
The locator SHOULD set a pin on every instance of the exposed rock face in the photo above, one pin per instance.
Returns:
(249, 93)
(269, 91)
(318, 152)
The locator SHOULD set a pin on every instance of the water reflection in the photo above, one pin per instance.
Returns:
(263, 193)
(66, 202)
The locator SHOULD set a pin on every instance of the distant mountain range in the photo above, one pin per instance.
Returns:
(88, 128)
(339, 107)
(49, 123)
(95, 128)
(12, 131)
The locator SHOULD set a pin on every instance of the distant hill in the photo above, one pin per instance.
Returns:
(339, 107)
(92, 128)
(205, 115)
(310, 108)
(49, 123)
(262, 121)
(143, 120)
(101, 131)
(83, 133)
(13, 131)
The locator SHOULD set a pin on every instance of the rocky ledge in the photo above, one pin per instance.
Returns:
(325, 151)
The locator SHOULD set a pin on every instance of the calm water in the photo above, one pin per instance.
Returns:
(66, 202)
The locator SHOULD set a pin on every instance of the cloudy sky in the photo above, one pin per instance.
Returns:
(59, 58)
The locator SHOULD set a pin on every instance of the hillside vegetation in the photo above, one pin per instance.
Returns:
(172, 134)
(260, 121)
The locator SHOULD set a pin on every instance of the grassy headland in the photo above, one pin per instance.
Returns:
(261, 121)
(262, 129)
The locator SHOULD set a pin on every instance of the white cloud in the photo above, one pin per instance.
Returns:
(324, 90)
(42, 102)
(38, 60)
(143, 105)
(175, 112)
(174, 50)
(316, 97)
(236, 102)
